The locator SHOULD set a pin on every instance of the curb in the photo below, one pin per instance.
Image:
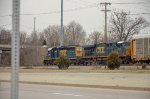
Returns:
(84, 85)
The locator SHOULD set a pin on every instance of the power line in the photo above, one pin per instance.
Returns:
(82, 2)
(75, 1)
(75, 9)
(138, 14)
(5, 15)
(28, 27)
(68, 10)
(146, 13)
(132, 2)
(4, 25)
(87, 2)
(56, 12)
(81, 8)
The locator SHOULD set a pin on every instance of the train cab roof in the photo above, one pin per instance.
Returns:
(123, 44)
(104, 44)
(89, 46)
(53, 48)
(68, 47)
(120, 42)
(101, 44)
(49, 49)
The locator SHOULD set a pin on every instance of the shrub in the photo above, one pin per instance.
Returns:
(62, 63)
(143, 66)
(113, 61)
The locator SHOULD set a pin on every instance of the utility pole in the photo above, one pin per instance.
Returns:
(34, 23)
(62, 28)
(15, 51)
(36, 44)
(105, 10)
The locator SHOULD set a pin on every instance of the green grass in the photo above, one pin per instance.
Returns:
(73, 70)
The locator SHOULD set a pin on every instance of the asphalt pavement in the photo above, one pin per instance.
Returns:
(29, 91)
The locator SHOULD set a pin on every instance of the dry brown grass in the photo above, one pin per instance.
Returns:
(74, 70)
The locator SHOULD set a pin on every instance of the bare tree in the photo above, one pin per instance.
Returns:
(74, 34)
(5, 36)
(42, 39)
(23, 38)
(34, 38)
(123, 27)
(51, 35)
(95, 38)
(32, 52)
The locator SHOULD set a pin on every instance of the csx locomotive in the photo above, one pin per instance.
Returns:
(137, 50)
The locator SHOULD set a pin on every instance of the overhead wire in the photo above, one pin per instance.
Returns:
(75, 1)
(68, 10)
(145, 2)
(138, 13)
(28, 27)
(87, 2)
(81, 8)
(5, 25)
(55, 12)
(146, 13)
(5, 15)
(75, 9)
(136, 3)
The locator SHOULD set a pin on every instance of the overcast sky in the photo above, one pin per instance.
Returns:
(91, 18)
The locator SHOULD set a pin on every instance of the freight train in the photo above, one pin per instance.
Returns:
(137, 50)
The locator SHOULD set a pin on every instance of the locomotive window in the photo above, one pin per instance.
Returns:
(110, 44)
(120, 45)
(125, 44)
(92, 50)
(102, 44)
(117, 45)
(107, 44)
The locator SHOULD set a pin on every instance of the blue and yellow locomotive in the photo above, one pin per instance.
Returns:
(70, 52)
(137, 50)
(84, 55)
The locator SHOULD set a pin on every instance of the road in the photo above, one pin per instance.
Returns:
(28, 91)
